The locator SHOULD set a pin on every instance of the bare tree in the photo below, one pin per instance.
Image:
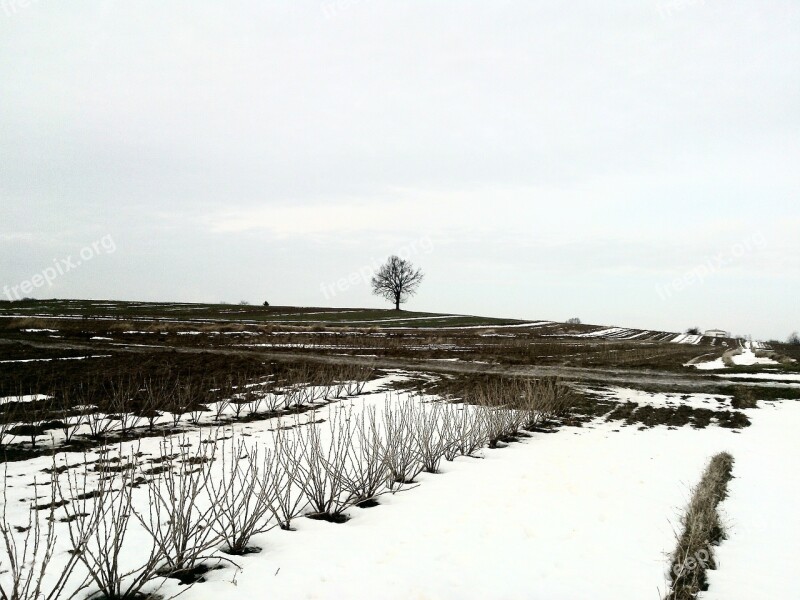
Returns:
(396, 281)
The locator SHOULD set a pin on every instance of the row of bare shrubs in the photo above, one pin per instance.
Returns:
(209, 500)
(119, 406)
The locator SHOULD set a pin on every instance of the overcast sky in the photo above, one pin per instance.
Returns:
(630, 163)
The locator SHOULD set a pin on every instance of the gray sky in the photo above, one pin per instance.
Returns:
(627, 162)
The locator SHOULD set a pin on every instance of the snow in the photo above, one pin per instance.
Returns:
(465, 327)
(765, 376)
(759, 558)
(585, 512)
(708, 366)
(602, 332)
(686, 338)
(24, 398)
(660, 400)
(745, 358)
(748, 358)
(552, 518)
(27, 360)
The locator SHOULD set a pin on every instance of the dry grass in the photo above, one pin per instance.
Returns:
(702, 530)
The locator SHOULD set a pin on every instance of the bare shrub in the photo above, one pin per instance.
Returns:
(253, 400)
(324, 469)
(8, 416)
(154, 394)
(494, 423)
(367, 471)
(121, 393)
(181, 506)
(223, 400)
(31, 417)
(427, 430)
(287, 479)
(26, 560)
(180, 400)
(242, 497)
(70, 415)
(98, 521)
(400, 448)
(272, 401)
(99, 424)
(472, 431)
(196, 412)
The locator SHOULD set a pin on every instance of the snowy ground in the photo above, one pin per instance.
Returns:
(759, 558)
(746, 357)
(791, 377)
(582, 513)
(660, 400)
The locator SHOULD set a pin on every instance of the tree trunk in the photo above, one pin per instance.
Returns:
(397, 303)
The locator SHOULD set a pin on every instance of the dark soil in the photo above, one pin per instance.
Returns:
(330, 518)
(368, 503)
(247, 550)
(193, 575)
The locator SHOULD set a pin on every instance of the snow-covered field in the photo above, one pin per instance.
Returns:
(586, 512)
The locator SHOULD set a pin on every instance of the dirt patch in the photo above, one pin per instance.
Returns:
(329, 518)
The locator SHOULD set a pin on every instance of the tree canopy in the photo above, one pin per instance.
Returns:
(396, 280)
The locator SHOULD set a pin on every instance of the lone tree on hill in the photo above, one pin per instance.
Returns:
(396, 281)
